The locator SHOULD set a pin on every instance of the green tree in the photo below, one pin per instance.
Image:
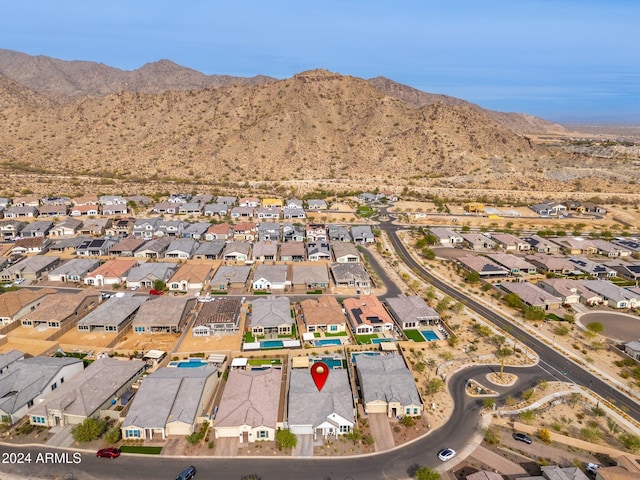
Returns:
(434, 386)
(595, 328)
(631, 442)
(502, 353)
(425, 473)
(527, 416)
(443, 304)
(513, 300)
(428, 253)
(491, 436)
(286, 439)
(355, 435)
(544, 435)
(472, 277)
(113, 436)
(89, 430)
(159, 285)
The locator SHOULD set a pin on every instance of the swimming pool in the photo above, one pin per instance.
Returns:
(331, 362)
(327, 341)
(271, 344)
(191, 363)
(355, 355)
(378, 341)
(429, 335)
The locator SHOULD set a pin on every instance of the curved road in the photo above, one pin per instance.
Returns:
(390, 465)
(556, 363)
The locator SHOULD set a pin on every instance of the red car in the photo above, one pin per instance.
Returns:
(156, 292)
(108, 453)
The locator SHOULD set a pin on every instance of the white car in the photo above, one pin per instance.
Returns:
(18, 281)
(446, 454)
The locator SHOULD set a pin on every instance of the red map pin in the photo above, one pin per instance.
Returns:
(319, 373)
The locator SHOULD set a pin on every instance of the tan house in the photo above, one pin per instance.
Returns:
(57, 311)
(324, 314)
(190, 276)
(367, 315)
(16, 304)
(112, 272)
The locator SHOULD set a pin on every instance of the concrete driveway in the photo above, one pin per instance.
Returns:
(226, 447)
(304, 448)
(381, 431)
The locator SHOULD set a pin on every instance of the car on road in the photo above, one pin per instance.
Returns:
(153, 291)
(187, 474)
(108, 453)
(592, 467)
(522, 437)
(446, 454)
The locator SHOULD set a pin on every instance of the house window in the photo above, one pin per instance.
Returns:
(415, 411)
(139, 329)
(132, 433)
(344, 429)
(54, 386)
(263, 434)
(333, 328)
(408, 411)
(39, 420)
(61, 380)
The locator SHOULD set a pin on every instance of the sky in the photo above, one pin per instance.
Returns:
(563, 60)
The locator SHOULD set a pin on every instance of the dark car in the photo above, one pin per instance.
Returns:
(108, 453)
(187, 474)
(522, 437)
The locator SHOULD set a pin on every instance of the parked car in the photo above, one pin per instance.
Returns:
(592, 467)
(18, 281)
(108, 453)
(522, 437)
(446, 454)
(153, 291)
(187, 474)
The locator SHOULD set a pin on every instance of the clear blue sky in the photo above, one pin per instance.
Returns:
(564, 60)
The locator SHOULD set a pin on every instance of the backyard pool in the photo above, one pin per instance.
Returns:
(330, 362)
(355, 355)
(327, 341)
(265, 344)
(429, 335)
(191, 363)
(378, 341)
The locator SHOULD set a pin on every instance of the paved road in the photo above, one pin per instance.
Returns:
(617, 326)
(555, 362)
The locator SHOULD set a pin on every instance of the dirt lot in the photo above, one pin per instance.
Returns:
(143, 343)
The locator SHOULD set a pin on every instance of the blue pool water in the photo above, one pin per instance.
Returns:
(327, 341)
(354, 356)
(331, 362)
(191, 363)
(271, 344)
(377, 341)
(429, 335)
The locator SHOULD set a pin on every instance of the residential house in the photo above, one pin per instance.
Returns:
(96, 247)
(111, 200)
(338, 233)
(39, 228)
(246, 231)
(310, 277)
(272, 203)
(145, 227)
(532, 296)
(10, 229)
(155, 248)
(362, 234)
(112, 272)
(95, 226)
(190, 276)
(626, 270)
(73, 270)
(325, 413)
(169, 208)
(576, 246)
(67, 245)
(220, 231)
(58, 311)
(146, 274)
(605, 248)
(323, 314)
(87, 394)
(478, 241)
(31, 268)
(388, 386)
(265, 251)
(222, 315)
(316, 204)
(202, 198)
(209, 250)
(84, 210)
(21, 212)
(181, 248)
(345, 252)
(55, 201)
(236, 251)
(216, 209)
(32, 245)
(170, 228)
(121, 227)
(411, 312)
(510, 242)
(16, 304)
(163, 314)
(351, 275)
(293, 252)
(53, 210)
(86, 200)
(242, 212)
(191, 208)
(446, 236)
(250, 405)
(483, 266)
(294, 203)
(592, 268)
(229, 276)
(269, 231)
(138, 200)
(127, 247)
(271, 316)
(316, 232)
(633, 349)
(68, 228)
(112, 316)
(551, 264)
(317, 251)
(222, 200)
(367, 315)
(515, 265)
(115, 209)
(271, 277)
(251, 202)
(614, 296)
(179, 198)
(31, 380)
(570, 291)
(11, 356)
(196, 231)
(268, 213)
(542, 245)
(170, 401)
(549, 209)
(632, 244)
(292, 233)
(290, 213)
